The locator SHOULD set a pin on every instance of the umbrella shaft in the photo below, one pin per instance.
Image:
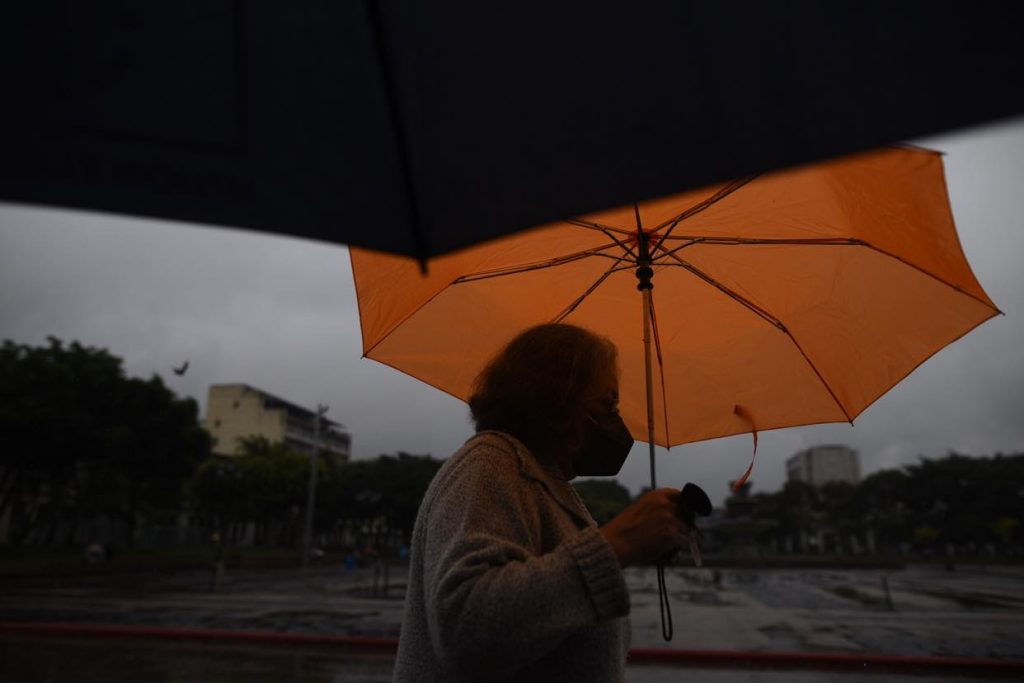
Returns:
(646, 293)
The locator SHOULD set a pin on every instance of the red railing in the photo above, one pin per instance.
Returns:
(641, 656)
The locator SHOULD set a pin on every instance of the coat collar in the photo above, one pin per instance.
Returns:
(531, 468)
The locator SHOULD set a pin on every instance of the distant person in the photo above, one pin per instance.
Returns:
(510, 578)
(95, 553)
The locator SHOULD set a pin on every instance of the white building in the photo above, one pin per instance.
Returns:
(823, 464)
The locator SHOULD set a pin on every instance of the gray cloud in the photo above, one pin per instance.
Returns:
(280, 314)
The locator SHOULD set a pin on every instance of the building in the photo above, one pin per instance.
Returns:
(236, 411)
(823, 464)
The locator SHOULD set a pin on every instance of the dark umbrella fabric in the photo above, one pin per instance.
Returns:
(423, 127)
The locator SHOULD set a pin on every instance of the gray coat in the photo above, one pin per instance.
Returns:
(509, 577)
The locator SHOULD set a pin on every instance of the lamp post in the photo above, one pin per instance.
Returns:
(307, 537)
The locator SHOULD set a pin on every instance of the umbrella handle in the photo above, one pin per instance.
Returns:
(692, 502)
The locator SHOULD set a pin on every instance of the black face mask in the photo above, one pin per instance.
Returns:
(606, 443)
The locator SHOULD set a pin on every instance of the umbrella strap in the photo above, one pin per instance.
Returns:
(745, 415)
(663, 605)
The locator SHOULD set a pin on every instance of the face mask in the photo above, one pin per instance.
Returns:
(606, 443)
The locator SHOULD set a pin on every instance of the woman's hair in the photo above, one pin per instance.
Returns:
(536, 388)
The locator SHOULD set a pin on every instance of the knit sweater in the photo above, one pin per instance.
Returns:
(509, 577)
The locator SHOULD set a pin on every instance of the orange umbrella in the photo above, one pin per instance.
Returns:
(783, 299)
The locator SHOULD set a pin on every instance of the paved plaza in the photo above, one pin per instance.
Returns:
(974, 611)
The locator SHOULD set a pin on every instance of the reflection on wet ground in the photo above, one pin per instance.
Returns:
(98, 660)
(101, 660)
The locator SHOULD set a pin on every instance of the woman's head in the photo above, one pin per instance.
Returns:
(541, 386)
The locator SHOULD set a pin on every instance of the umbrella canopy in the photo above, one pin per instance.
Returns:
(783, 299)
(420, 128)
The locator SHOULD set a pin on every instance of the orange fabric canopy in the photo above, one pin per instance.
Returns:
(801, 296)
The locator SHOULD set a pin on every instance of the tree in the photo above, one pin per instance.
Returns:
(160, 443)
(265, 483)
(795, 506)
(962, 500)
(963, 496)
(383, 494)
(882, 499)
(51, 403)
(840, 511)
(78, 438)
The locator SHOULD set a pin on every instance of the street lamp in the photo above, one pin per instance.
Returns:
(307, 537)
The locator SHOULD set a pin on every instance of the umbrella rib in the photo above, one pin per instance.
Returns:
(729, 188)
(754, 308)
(591, 225)
(733, 241)
(811, 242)
(537, 265)
(397, 123)
(765, 315)
(619, 259)
(499, 272)
(579, 300)
(921, 270)
(802, 241)
(395, 326)
(608, 231)
(846, 414)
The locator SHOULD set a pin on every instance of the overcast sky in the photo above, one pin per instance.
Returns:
(280, 314)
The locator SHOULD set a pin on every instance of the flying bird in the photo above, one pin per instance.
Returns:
(181, 370)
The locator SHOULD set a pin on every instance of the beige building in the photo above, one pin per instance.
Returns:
(235, 411)
(823, 464)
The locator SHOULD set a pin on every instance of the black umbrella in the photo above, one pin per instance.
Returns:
(421, 127)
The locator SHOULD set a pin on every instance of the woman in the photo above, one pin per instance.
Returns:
(510, 577)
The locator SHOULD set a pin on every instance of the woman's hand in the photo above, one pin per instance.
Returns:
(648, 530)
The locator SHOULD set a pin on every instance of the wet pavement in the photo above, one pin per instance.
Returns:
(974, 611)
(322, 600)
(101, 660)
(971, 612)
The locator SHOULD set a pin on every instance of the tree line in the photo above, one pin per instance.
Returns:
(972, 504)
(80, 440)
(259, 496)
